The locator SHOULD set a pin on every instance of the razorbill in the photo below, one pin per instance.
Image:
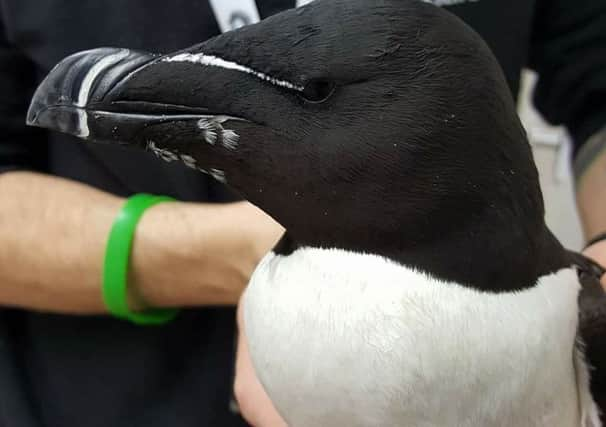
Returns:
(417, 283)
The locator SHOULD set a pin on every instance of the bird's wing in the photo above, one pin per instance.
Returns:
(592, 330)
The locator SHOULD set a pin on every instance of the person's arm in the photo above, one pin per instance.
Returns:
(590, 175)
(568, 51)
(53, 234)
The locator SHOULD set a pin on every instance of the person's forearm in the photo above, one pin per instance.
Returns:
(52, 241)
(591, 186)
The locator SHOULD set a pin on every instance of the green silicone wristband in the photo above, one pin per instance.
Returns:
(116, 263)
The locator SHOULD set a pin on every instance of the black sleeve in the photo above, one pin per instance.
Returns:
(21, 147)
(568, 50)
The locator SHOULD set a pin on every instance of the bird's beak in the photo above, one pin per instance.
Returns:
(186, 111)
(65, 101)
(129, 97)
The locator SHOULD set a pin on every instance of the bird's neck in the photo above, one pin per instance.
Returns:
(495, 259)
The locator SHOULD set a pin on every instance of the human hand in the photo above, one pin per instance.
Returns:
(190, 254)
(597, 252)
(255, 406)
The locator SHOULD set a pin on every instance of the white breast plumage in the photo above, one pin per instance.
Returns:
(346, 339)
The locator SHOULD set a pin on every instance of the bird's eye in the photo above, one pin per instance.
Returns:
(317, 91)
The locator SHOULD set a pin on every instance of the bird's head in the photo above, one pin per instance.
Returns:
(376, 126)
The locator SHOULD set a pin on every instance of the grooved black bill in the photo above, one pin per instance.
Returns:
(67, 96)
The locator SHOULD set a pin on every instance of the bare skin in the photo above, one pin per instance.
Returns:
(53, 235)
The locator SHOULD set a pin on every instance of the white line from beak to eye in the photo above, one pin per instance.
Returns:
(215, 61)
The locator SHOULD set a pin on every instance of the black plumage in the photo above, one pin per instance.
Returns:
(383, 127)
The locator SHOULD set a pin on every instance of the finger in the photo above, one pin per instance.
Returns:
(255, 405)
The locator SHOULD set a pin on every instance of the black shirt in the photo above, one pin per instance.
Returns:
(95, 371)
